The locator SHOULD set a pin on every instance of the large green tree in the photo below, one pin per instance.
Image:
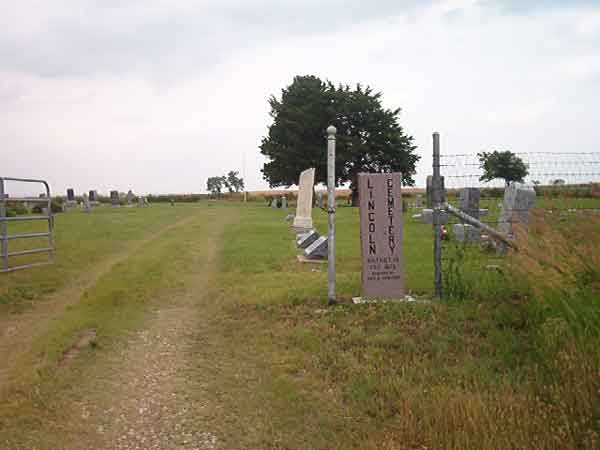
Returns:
(369, 137)
(505, 165)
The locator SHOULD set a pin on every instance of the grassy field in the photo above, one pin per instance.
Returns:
(265, 364)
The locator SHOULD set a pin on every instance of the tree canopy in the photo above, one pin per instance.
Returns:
(502, 164)
(233, 182)
(369, 137)
(215, 185)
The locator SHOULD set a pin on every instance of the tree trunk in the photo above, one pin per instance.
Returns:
(354, 191)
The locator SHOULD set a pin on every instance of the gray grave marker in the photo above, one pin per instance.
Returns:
(114, 199)
(320, 199)
(519, 200)
(317, 250)
(429, 192)
(419, 201)
(306, 239)
(465, 233)
(469, 202)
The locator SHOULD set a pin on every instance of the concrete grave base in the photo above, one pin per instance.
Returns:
(304, 259)
(302, 223)
(406, 299)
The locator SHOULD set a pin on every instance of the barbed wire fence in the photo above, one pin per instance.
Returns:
(566, 186)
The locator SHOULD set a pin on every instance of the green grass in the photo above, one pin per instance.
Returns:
(457, 374)
(489, 370)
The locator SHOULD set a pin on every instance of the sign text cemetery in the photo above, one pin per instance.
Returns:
(381, 229)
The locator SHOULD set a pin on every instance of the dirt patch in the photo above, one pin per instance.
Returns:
(87, 338)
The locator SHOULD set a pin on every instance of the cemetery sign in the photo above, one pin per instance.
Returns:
(381, 232)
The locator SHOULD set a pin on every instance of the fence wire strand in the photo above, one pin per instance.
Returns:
(567, 184)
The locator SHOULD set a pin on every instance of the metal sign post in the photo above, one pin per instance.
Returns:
(331, 131)
(437, 210)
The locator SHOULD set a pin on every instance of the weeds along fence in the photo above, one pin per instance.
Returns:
(469, 263)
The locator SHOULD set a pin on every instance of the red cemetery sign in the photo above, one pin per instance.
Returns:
(381, 226)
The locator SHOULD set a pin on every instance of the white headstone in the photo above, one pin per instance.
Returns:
(87, 206)
(303, 219)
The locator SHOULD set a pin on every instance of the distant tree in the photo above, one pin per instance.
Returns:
(369, 137)
(215, 185)
(505, 165)
(233, 182)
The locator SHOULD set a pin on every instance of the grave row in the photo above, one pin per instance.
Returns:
(381, 226)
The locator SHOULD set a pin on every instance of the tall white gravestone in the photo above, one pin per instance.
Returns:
(303, 220)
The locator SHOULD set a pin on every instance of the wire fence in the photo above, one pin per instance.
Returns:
(559, 186)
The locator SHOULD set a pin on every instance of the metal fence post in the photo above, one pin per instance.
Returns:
(436, 185)
(331, 131)
(3, 227)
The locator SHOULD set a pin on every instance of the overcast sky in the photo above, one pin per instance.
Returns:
(157, 95)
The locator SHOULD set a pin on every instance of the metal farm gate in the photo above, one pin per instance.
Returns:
(6, 238)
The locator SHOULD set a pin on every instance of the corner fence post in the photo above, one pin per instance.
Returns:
(436, 183)
(331, 131)
(3, 227)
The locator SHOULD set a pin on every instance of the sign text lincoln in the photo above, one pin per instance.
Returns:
(381, 235)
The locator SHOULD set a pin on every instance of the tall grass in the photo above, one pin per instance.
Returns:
(560, 259)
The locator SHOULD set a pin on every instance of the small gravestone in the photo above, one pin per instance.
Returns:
(426, 216)
(306, 239)
(381, 232)
(130, 198)
(317, 250)
(465, 233)
(303, 220)
(274, 203)
(93, 198)
(87, 206)
(71, 201)
(289, 218)
(320, 200)
(469, 202)
(114, 199)
(141, 202)
(419, 201)
(284, 204)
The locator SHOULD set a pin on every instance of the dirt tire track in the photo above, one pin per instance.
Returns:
(18, 332)
(142, 402)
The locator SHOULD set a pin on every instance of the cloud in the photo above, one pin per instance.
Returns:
(167, 38)
(158, 95)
